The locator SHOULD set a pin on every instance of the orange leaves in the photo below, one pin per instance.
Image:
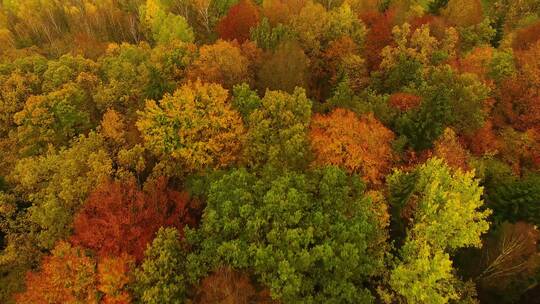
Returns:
(404, 101)
(119, 218)
(67, 276)
(240, 19)
(113, 276)
(360, 145)
(226, 286)
(484, 140)
(448, 148)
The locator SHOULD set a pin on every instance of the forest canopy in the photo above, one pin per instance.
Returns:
(269, 151)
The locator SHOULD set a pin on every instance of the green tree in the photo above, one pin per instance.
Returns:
(447, 215)
(448, 99)
(245, 100)
(58, 182)
(161, 278)
(163, 25)
(311, 238)
(277, 130)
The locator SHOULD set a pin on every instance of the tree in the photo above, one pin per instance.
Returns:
(268, 37)
(510, 254)
(360, 145)
(310, 25)
(114, 275)
(404, 101)
(132, 73)
(513, 199)
(446, 217)
(163, 25)
(162, 278)
(119, 218)
(463, 13)
(526, 37)
(285, 69)
(67, 276)
(53, 119)
(448, 147)
(196, 125)
(378, 37)
(222, 63)
(245, 100)
(239, 20)
(57, 184)
(343, 22)
(447, 100)
(268, 224)
(228, 286)
(277, 130)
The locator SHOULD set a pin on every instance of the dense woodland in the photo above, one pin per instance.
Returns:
(275, 151)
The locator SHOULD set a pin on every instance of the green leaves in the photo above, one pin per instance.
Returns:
(299, 232)
(277, 133)
(448, 215)
(161, 278)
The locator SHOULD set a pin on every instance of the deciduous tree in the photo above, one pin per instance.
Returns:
(360, 145)
(223, 63)
(268, 225)
(196, 125)
(446, 216)
(277, 130)
(67, 276)
(162, 277)
(119, 218)
(239, 20)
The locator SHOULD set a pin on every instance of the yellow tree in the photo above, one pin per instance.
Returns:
(196, 125)
(359, 145)
(223, 63)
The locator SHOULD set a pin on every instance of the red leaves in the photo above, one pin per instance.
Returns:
(379, 35)
(526, 37)
(120, 218)
(240, 19)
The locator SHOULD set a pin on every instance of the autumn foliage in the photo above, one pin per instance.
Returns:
(404, 101)
(239, 20)
(379, 35)
(361, 145)
(67, 276)
(119, 218)
(269, 151)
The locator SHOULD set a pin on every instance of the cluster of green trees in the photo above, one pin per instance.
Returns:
(270, 151)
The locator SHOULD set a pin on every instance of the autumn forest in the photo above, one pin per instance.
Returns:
(269, 151)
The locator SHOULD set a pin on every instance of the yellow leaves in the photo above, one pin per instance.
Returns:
(113, 126)
(223, 63)
(195, 125)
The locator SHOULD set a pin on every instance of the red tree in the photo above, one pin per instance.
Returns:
(120, 218)
(240, 19)
(379, 35)
(526, 37)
